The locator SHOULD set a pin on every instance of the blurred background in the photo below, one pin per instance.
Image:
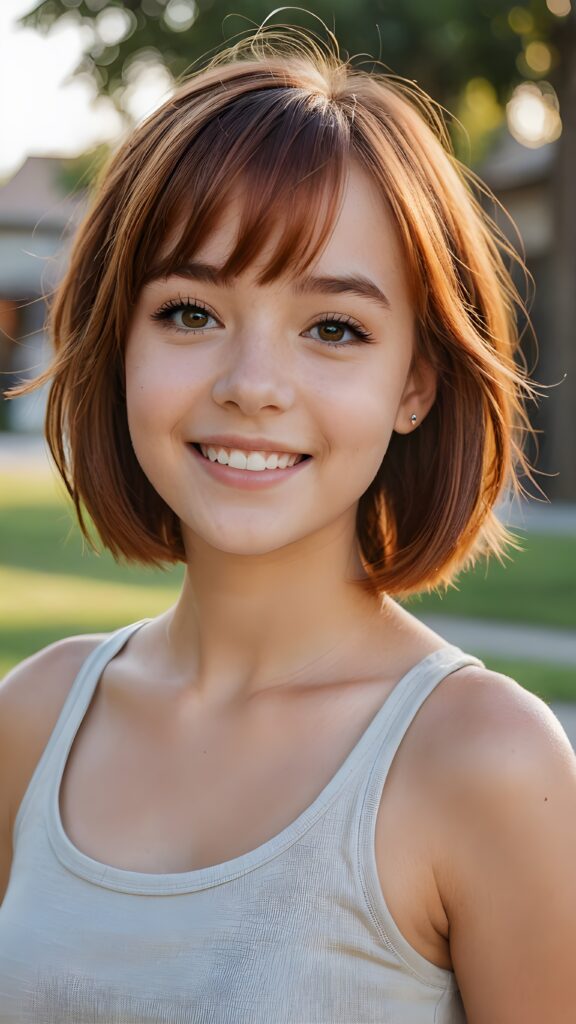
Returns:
(75, 75)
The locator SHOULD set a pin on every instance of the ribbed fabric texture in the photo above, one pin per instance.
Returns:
(293, 932)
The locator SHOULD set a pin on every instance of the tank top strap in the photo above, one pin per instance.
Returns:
(402, 706)
(75, 706)
(410, 693)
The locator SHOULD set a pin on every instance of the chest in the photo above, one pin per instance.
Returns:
(176, 789)
(180, 791)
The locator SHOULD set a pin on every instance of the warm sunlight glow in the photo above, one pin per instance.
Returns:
(48, 112)
(559, 7)
(148, 85)
(533, 116)
(113, 24)
(180, 14)
(538, 57)
(44, 112)
(520, 20)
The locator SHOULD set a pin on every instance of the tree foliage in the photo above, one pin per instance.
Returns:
(442, 45)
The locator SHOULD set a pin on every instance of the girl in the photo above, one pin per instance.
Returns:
(285, 357)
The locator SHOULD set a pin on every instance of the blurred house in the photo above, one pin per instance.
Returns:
(37, 218)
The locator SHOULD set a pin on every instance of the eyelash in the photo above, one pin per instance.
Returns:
(344, 321)
(164, 313)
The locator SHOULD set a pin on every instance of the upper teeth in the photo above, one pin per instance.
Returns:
(238, 459)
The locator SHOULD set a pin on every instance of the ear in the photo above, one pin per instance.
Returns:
(418, 396)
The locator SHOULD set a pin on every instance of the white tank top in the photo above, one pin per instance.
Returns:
(294, 932)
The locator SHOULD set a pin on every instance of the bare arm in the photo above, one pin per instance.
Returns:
(507, 872)
(31, 699)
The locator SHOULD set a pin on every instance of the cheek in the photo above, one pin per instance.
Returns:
(152, 414)
(152, 410)
(155, 392)
(366, 413)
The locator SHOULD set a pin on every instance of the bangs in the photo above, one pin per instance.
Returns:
(283, 153)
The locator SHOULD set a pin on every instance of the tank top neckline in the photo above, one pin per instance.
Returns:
(440, 663)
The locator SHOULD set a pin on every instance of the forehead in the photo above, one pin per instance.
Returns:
(357, 234)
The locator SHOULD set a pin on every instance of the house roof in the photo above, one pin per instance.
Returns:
(34, 198)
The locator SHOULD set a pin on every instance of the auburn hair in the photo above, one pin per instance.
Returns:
(277, 118)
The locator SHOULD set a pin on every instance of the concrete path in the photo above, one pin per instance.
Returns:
(507, 640)
(539, 517)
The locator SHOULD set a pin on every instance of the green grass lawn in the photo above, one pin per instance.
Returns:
(52, 586)
(537, 586)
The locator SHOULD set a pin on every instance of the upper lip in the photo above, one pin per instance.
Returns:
(248, 444)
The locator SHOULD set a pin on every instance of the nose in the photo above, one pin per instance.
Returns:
(255, 374)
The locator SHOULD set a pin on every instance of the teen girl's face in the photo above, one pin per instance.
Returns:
(319, 366)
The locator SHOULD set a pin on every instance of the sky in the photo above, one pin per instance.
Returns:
(40, 112)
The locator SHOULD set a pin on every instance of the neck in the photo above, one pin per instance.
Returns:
(245, 623)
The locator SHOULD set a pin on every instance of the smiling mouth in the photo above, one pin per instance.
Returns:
(254, 461)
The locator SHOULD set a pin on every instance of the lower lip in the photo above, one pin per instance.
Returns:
(248, 479)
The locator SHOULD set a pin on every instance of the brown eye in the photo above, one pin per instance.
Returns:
(184, 316)
(339, 332)
(194, 316)
(331, 331)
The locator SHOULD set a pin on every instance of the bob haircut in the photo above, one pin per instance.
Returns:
(277, 118)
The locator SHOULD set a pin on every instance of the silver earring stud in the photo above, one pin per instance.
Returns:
(413, 418)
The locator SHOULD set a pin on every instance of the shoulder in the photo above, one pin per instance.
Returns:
(31, 699)
(46, 675)
(490, 745)
(488, 729)
(503, 775)
(487, 759)
(504, 780)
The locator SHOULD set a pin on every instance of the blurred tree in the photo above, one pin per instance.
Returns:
(443, 46)
(562, 325)
(469, 56)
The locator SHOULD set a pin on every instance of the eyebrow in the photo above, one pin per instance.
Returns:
(347, 284)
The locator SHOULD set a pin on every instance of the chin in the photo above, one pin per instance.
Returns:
(236, 543)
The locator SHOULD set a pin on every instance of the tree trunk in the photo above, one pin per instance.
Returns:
(561, 440)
